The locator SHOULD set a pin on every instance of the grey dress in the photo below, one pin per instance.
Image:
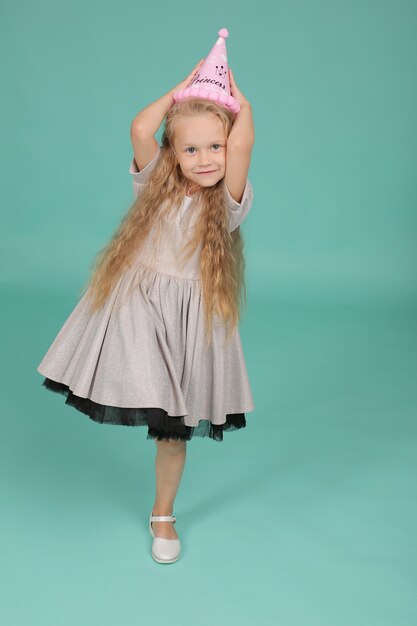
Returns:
(142, 359)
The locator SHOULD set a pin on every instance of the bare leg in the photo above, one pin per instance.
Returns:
(169, 465)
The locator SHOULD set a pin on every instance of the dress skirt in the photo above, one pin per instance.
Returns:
(141, 360)
(160, 425)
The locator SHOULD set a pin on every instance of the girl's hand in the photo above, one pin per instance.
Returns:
(235, 92)
(184, 83)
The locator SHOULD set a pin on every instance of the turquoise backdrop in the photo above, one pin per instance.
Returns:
(308, 516)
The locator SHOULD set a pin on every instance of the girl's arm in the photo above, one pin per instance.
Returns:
(144, 127)
(239, 145)
(150, 118)
(147, 122)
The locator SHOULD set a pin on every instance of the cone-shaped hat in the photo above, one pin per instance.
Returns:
(212, 79)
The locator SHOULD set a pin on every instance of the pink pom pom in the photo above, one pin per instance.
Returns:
(223, 32)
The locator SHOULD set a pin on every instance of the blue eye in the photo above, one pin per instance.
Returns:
(215, 144)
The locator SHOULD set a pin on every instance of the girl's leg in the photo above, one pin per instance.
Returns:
(169, 465)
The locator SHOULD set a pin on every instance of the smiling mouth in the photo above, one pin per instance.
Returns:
(209, 172)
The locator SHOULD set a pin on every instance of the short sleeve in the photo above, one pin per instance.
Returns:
(140, 177)
(238, 211)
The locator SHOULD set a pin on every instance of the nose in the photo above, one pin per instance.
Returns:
(205, 158)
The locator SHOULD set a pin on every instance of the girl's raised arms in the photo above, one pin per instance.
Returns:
(239, 144)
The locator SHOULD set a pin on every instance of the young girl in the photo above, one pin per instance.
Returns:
(154, 339)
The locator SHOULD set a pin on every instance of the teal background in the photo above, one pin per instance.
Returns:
(308, 516)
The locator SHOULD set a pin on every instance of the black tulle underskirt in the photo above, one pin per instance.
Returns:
(160, 425)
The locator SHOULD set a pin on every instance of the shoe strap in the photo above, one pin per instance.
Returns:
(163, 518)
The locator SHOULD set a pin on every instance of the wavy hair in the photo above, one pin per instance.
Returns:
(222, 263)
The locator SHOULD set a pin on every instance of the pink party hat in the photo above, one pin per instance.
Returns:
(212, 79)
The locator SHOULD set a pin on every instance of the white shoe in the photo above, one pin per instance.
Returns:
(164, 550)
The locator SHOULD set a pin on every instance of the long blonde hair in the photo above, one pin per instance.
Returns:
(222, 263)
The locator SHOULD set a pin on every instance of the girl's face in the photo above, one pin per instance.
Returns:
(200, 146)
